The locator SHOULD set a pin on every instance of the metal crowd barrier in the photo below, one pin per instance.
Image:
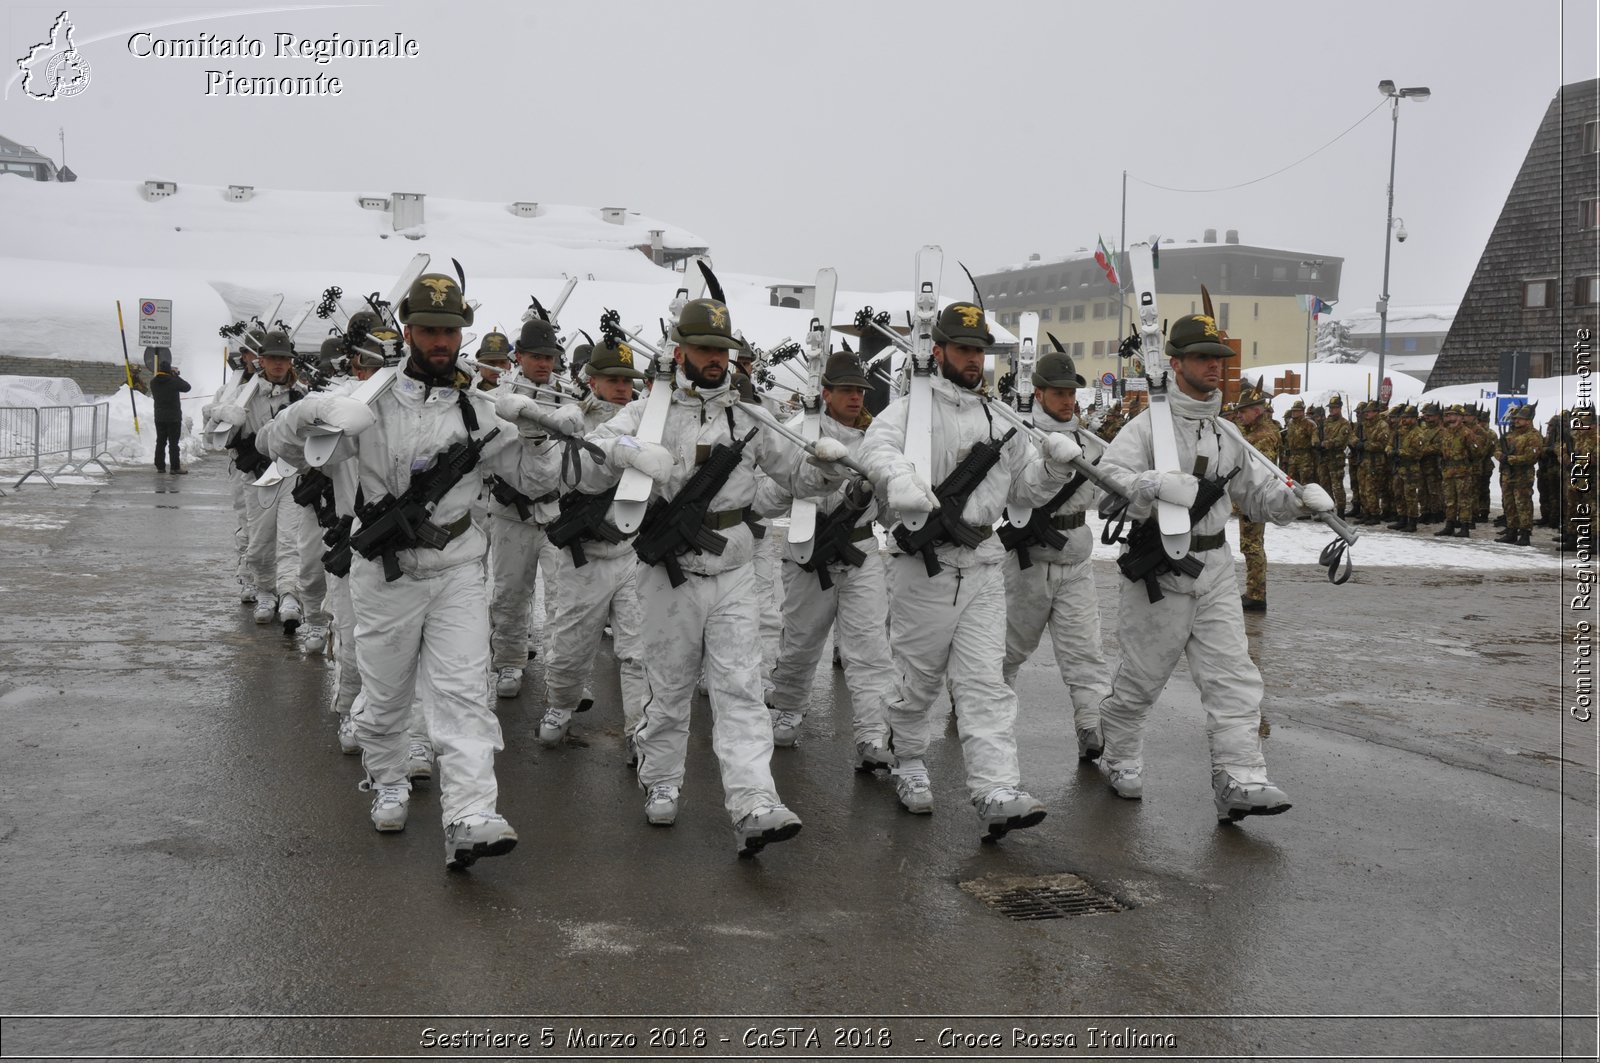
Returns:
(76, 435)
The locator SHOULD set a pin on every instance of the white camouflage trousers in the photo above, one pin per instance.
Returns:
(769, 594)
(1062, 598)
(346, 676)
(605, 590)
(709, 617)
(427, 639)
(855, 608)
(241, 532)
(311, 579)
(1208, 629)
(515, 549)
(953, 624)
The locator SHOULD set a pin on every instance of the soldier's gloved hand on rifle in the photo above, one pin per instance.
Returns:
(652, 459)
(1059, 452)
(1176, 487)
(564, 420)
(345, 413)
(825, 451)
(1313, 499)
(908, 494)
(228, 413)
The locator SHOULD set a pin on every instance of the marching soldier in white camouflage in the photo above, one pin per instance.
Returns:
(1057, 590)
(604, 590)
(855, 606)
(713, 615)
(517, 522)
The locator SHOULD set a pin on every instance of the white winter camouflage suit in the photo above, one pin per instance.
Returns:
(605, 590)
(856, 608)
(237, 483)
(954, 623)
(430, 627)
(1198, 617)
(714, 612)
(1058, 591)
(517, 546)
(274, 560)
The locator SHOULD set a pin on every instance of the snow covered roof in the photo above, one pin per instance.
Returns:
(1429, 319)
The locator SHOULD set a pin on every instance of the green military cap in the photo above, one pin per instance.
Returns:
(1250, 395)
(1196, 334)
(581, 355)
(1055, 370)
(844, 371)
(1316, 411)
(496, 347)
(608, 360)
(331, 351)
(364, 320)
(963, 324)
(376, 346)
(1299, 404)
(705, 323)
(435, 300)
(1523, 412)
(1431, 410)
(539, 337)
(276, 344)
(1336, 401)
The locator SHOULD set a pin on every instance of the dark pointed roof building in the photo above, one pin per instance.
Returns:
(1538, 281)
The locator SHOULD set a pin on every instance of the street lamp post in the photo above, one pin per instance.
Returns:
(1420, 94)
(1314, 265)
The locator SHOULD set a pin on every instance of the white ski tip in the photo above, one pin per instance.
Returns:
(1176, 546)
(321, 442)
(914, 521)
(627, 516)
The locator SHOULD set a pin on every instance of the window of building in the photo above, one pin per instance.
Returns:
(1590, 210)
(1225, 274)
(1077, 349)
(1254, 350)
(1222, 316)
(1099, 348)
(1099, 310)
(1044, 315)
(1536, 294)
(1077, 312)
(1409, 344)
(1591, 137)
(1256, 314)
(1588, 290)
(1539, 364)
(1280, 273)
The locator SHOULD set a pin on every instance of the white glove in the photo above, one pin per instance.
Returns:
(652, 459)
(1061, 449)
(566, 420)
(908, 494)
(829, 450)
(1179, 488)
(228, 413)
(1315, 500)
(345, 413)
(511, 406)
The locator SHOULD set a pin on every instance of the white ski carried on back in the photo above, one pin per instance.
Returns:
(919, 404)
(633, 489)
(1027, 358)
(803, 512)
(322, 440)
(1171, 518)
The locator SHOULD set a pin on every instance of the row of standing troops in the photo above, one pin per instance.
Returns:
(417, 619)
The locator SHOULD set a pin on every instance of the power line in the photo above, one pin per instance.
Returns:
(1274, 173)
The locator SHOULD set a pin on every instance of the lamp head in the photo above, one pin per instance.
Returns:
(1386, 88)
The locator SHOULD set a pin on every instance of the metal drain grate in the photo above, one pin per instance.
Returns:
(1042, 897)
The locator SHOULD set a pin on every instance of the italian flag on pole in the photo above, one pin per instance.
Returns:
(1102, 258)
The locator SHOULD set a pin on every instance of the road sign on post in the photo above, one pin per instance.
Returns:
(1504, 404)
(1385, 391)
(155, 322)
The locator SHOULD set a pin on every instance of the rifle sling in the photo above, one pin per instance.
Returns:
(725, 519)
(1067, 521)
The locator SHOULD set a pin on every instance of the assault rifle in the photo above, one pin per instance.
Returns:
(315, 491)
(395, 523)
(945, 524)
(1145, 559)
(507, 495)
(673, 528)
(1039, 531)
(832, 540)
(337, 538)
(246, 458)
(583, 519)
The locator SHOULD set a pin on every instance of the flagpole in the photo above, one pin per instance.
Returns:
(1122, 246)
(1306, 386)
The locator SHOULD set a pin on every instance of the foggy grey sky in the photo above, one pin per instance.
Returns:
(799, 135)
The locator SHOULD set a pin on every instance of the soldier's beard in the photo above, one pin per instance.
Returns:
(423, 368)
(700, 380)
(959, 378)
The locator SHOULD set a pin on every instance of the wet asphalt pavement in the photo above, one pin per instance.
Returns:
(183, 850)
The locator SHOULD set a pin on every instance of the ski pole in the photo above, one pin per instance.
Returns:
(127, 367)
(1090, 471)
(766, 418)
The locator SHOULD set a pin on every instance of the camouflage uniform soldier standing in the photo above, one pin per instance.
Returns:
(1458, 454)
(1261, 432)
(1488, 441)
(1374, 464)
(1518, 454)
(1431, 467)
(1337, 436)
(1300, 437)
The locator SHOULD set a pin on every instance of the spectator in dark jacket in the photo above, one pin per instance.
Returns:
(165, 387)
